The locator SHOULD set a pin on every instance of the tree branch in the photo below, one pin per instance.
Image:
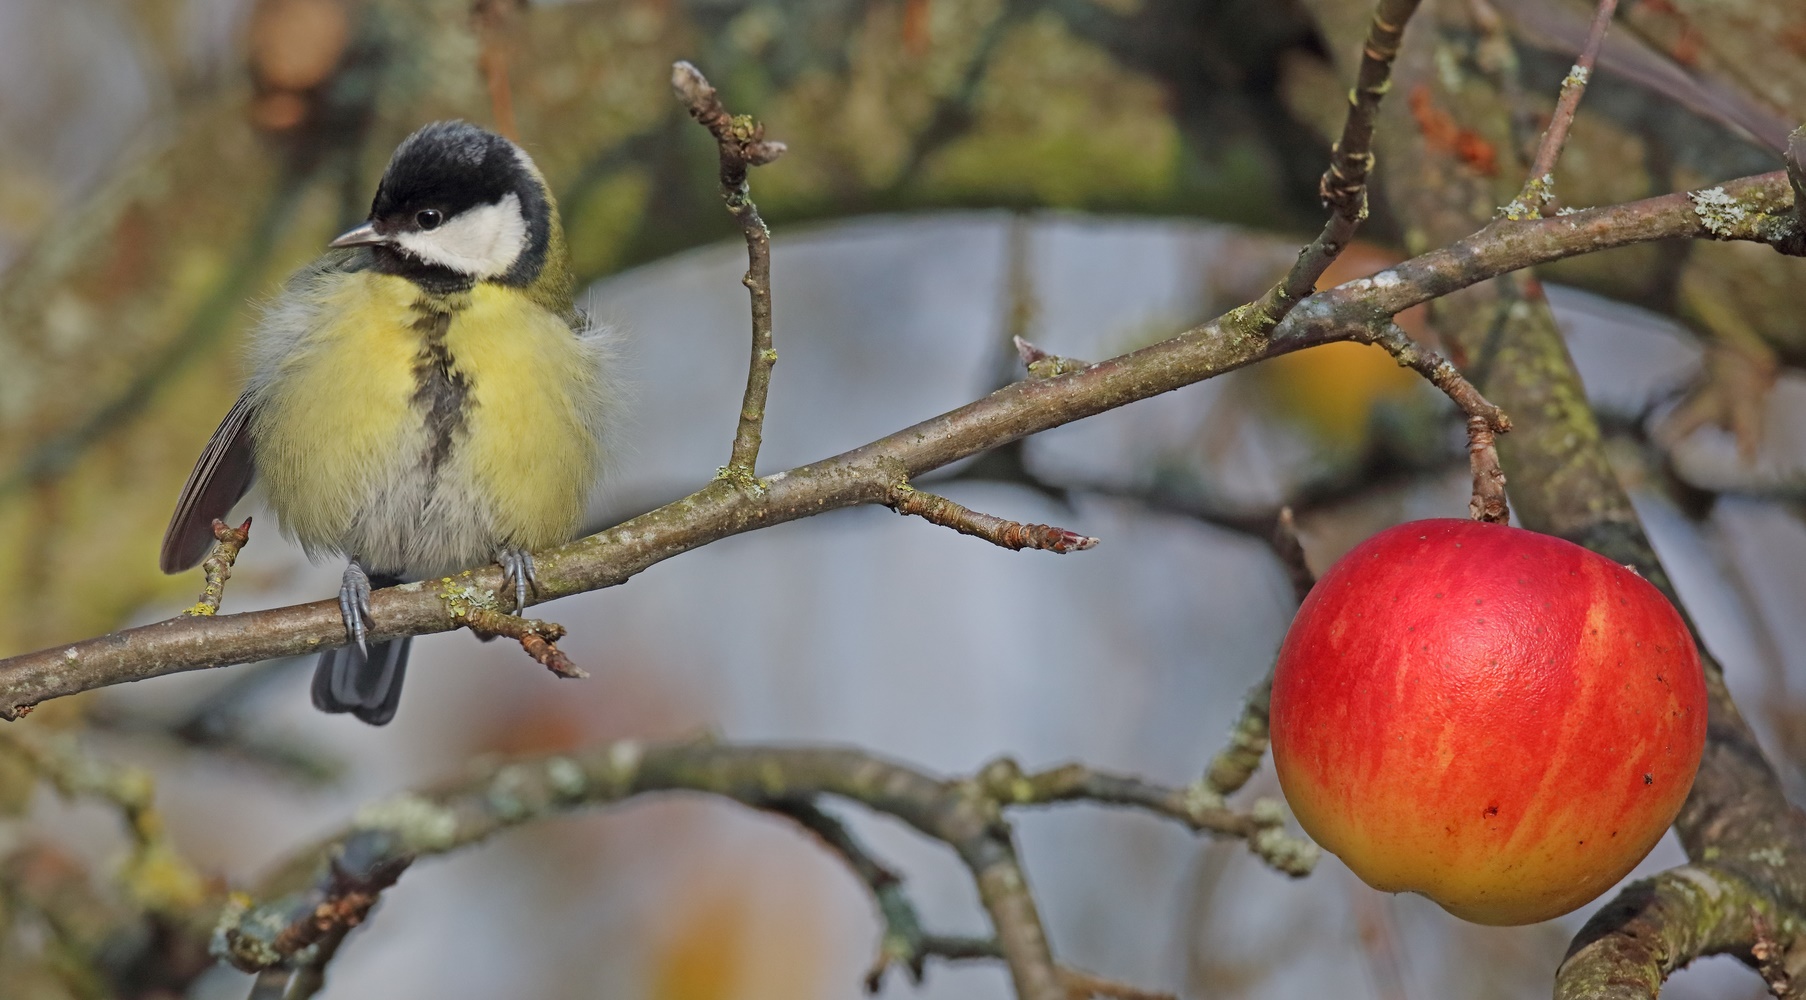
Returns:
(1199, 807)
(1759, 209)
(1437, 371)
(1236, 763)
(1658, 925)
(1755, 209)
(316, 899)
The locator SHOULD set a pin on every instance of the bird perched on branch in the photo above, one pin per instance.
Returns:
(423, 398)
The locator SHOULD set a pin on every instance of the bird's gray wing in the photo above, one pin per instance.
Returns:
(223, 473)
(1553, 25)
(220, 478)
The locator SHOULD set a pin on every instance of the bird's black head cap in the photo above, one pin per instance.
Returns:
(449, 168)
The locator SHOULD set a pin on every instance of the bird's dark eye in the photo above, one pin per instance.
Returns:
(428, 218)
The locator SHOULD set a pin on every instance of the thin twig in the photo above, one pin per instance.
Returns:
(537, 637)
(1539, 189)
(1440, 373)
(1198, 807)
(1484, 420)
(1082, 985)
(217, 567)
(1290, 551)
(742, 145)
(1236, 763)
(1014, 535)
(1344, 185)
(905, 943)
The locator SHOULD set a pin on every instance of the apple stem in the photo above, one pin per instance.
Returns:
(1485, 421)
(1488, 503)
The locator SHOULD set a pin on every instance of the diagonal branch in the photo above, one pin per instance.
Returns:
(1437, 370)
(1484, 420)
(1762, 212)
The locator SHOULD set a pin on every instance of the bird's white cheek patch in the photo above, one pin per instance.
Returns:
(483, 242)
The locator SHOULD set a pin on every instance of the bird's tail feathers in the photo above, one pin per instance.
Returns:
(368, 687)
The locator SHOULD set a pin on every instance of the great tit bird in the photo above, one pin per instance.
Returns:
(423, 398)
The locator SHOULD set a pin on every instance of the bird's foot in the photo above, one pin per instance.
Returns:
(517, 569)
(354, 605)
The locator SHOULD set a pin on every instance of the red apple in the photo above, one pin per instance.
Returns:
(1500, 720)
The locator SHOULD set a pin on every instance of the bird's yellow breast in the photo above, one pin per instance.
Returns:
(422, 432)
(530, 446)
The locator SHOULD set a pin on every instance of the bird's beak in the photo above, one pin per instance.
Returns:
(364, 235)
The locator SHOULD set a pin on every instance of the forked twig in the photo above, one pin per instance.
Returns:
(538, 638)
